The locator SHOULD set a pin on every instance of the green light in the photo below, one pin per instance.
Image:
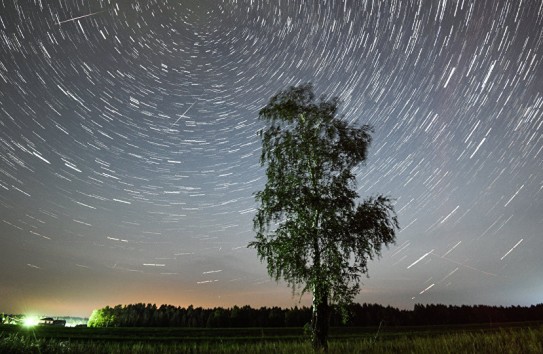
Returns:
(31, 321)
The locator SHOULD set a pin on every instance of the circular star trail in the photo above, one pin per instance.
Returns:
(129, 154)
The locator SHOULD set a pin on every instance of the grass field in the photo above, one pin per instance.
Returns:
(511, 338)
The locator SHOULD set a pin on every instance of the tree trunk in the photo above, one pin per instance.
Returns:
(320, 321)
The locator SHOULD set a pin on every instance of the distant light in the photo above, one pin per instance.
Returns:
(31, 321)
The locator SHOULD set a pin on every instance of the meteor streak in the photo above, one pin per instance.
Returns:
(420, 259)
(515, 246)
(80, 17)
(182, 116)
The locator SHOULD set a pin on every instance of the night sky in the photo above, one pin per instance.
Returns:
(129, 148)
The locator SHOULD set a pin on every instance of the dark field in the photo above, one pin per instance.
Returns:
(505, 338)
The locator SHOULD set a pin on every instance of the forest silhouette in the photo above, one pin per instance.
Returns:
(361, 315)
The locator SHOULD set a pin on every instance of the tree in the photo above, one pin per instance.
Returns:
(308, 227)
(104, 317)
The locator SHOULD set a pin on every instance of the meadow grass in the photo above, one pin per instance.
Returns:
(503, 340)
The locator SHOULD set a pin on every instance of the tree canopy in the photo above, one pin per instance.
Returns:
(309, 228)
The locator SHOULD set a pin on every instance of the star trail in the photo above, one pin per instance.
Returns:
(129, 153)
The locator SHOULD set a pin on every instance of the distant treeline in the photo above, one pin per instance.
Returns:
(149, 315)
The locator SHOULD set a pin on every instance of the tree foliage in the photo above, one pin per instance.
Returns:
(104, 317)
(309, 229)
